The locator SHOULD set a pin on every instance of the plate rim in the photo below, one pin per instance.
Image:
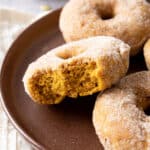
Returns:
(7, 111)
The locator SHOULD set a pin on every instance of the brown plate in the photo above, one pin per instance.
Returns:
(66, 126)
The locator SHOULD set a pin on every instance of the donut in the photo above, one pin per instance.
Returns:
(77, 69)
(147, 53)
(119, 114)
(128, 20)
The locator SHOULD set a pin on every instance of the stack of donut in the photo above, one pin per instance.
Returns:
(101, 35)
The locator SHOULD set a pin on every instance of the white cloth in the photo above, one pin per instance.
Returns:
(11, 24)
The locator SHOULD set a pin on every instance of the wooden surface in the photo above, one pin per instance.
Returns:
(32, 6)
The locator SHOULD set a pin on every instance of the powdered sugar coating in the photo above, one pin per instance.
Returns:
(107, 52)
(119, 116)
(129, 20)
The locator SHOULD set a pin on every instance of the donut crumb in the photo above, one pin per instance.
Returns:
(72, 80)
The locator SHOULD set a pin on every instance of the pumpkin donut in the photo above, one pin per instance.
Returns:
(147, 53)
(77, 69)
(119, 118)
(128, 20)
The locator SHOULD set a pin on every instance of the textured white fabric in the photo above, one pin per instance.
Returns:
(11, 24)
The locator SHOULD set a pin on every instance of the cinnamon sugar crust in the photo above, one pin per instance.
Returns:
(118, 116)
(128, 20)
(77, 69)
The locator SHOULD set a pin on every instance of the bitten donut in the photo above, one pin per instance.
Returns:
(119, 118)
(77, 69)
(128, 20)
(147, 53)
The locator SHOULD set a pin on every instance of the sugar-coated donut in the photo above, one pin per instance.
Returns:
(77, 69)
(118, 116)
(147, 53)
(128, 20)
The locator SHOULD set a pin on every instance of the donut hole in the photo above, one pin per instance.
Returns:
(105, 12)
(144, 105)
(69, 53)
(147, 106)
(147, 111)
(107, 15)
